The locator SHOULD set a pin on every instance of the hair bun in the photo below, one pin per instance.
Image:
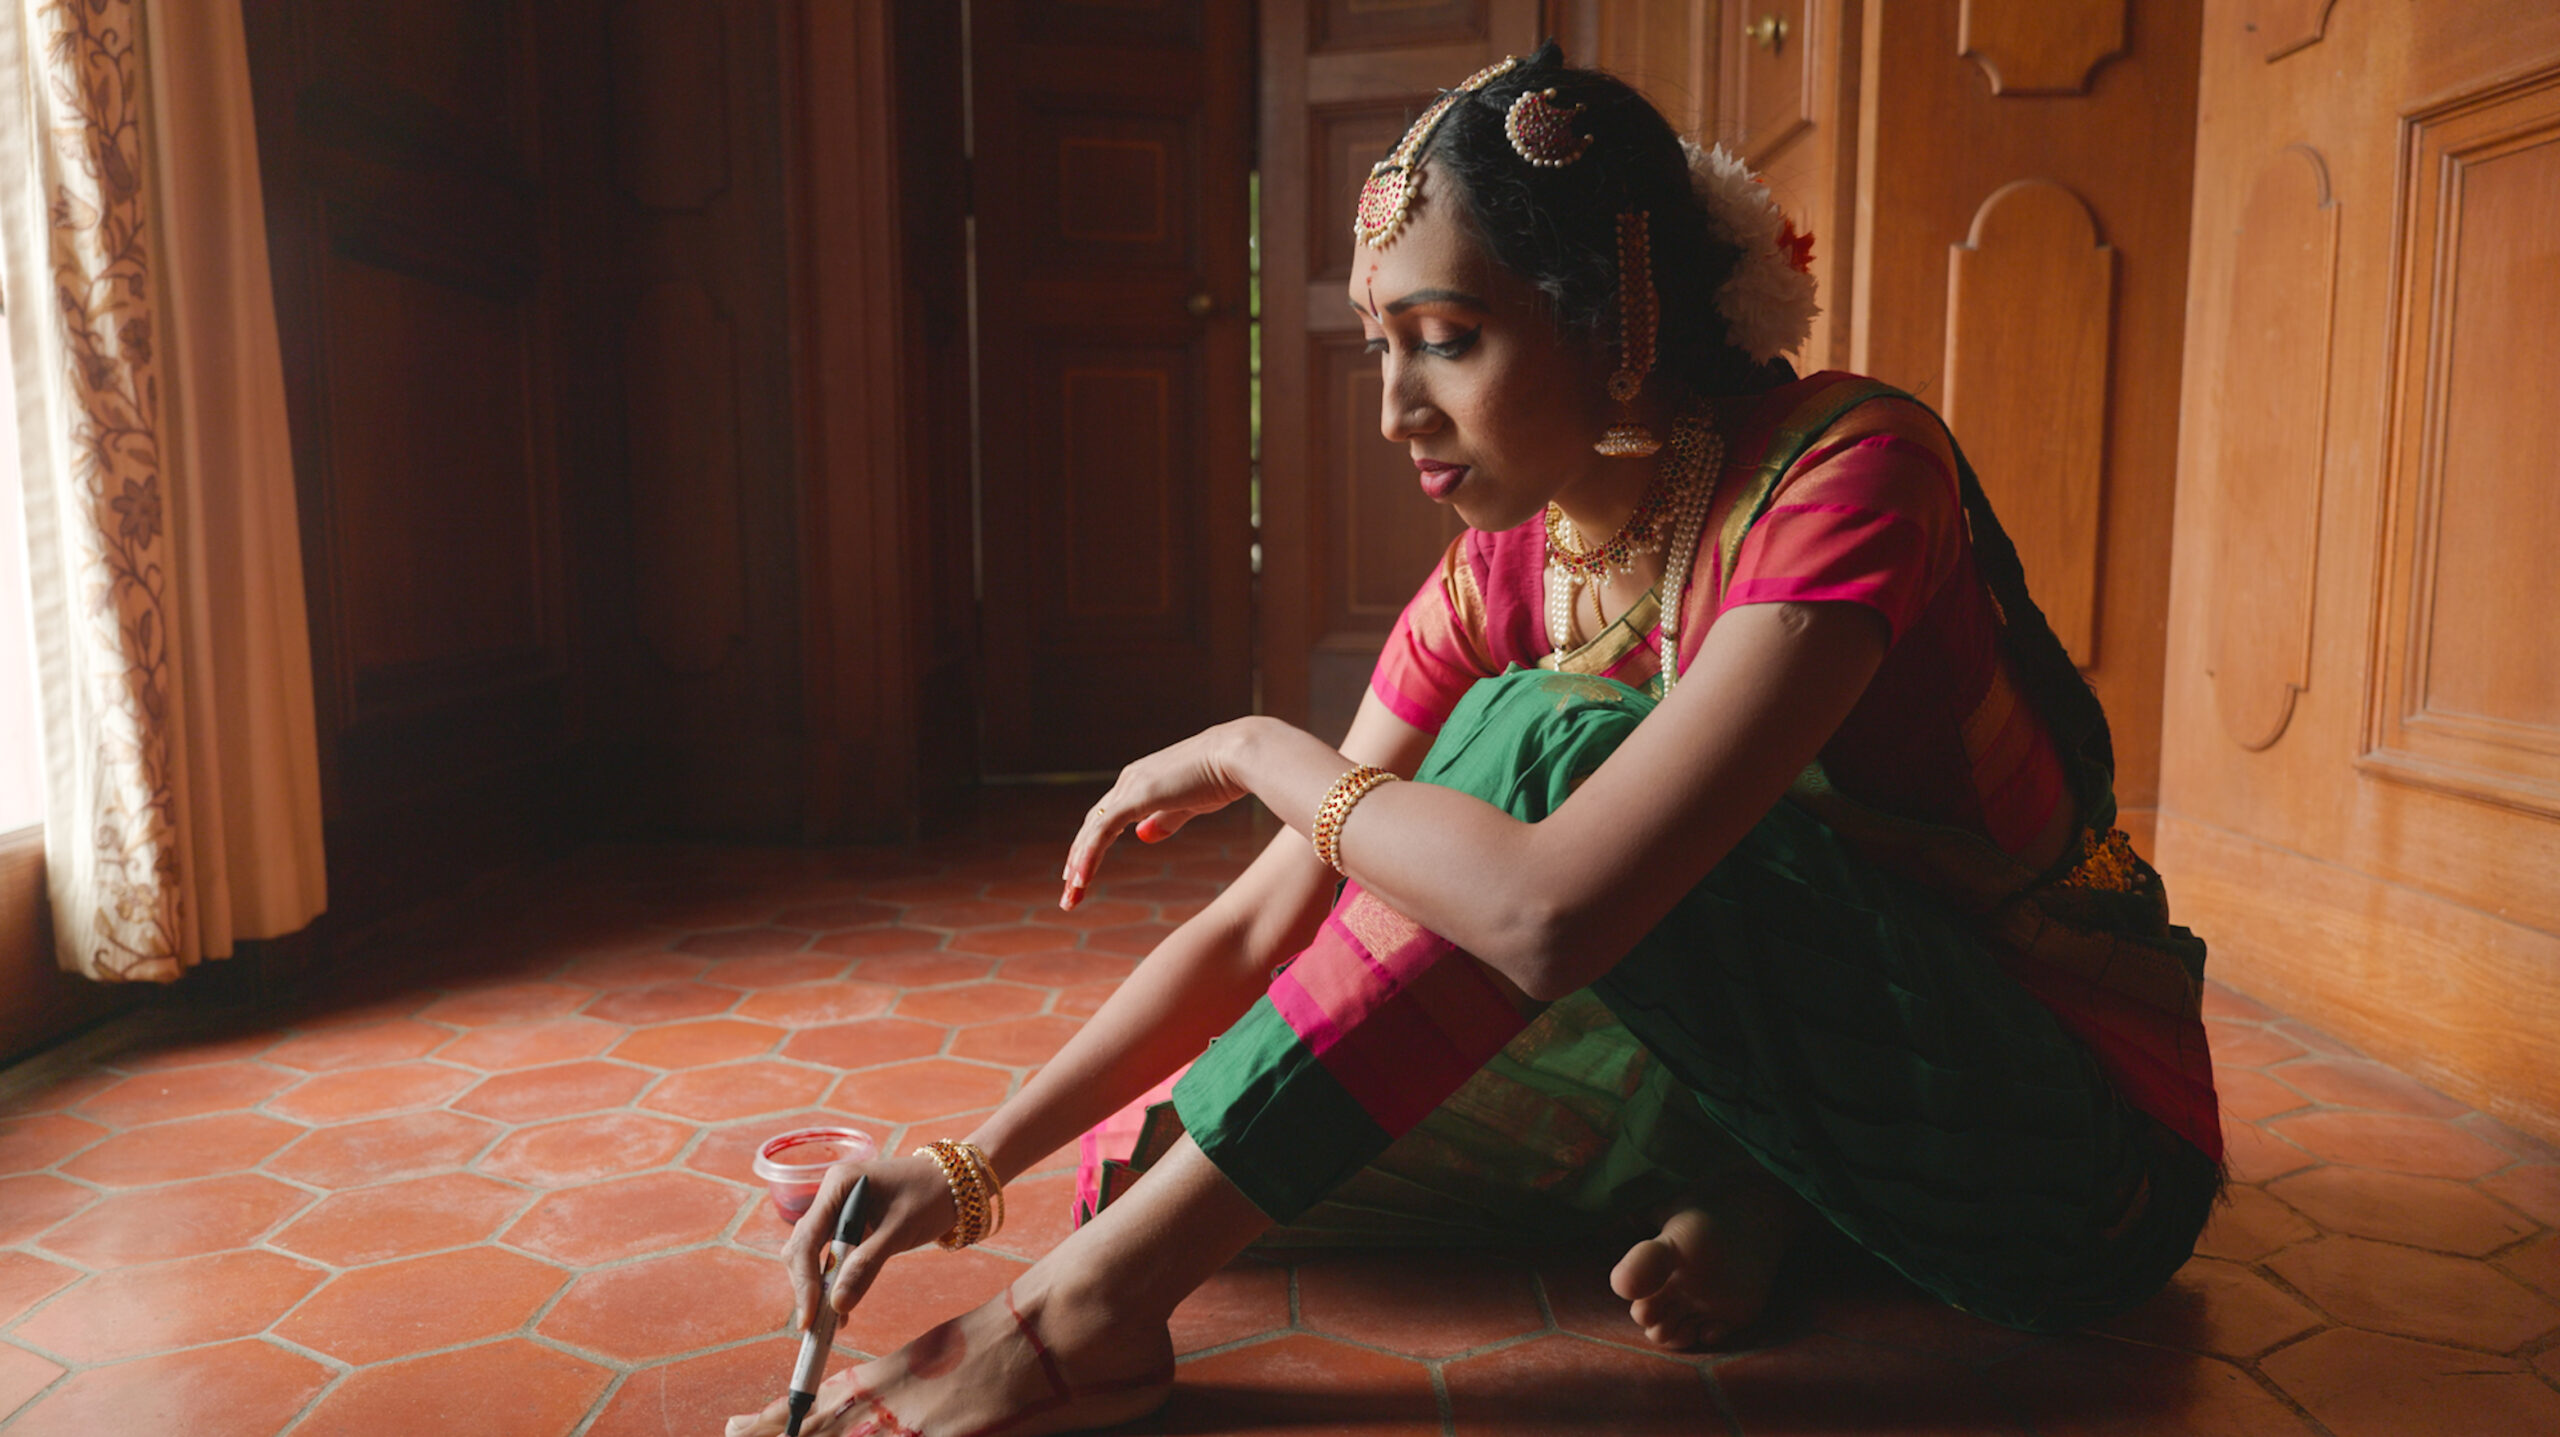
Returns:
(1768, 302)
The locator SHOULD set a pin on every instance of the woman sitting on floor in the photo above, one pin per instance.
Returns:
(1759, 870)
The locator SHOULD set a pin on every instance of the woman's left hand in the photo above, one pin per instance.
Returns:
(1157, 795)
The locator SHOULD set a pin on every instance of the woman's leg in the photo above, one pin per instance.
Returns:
(1078, 1341)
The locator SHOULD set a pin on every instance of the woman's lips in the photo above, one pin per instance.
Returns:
(1440, 480)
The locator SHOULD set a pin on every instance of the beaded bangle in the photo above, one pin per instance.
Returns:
(1325, 831)
(974, 1191)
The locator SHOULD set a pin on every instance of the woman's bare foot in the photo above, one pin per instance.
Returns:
(1016, 1367)
(1708, 1275)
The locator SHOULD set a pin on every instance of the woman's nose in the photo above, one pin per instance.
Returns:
(1403, 412)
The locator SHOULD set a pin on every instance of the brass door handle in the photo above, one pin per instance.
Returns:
(1768, 32)
(1202, 304)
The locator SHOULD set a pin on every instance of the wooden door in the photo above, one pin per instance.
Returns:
(2020, 262)
(2360, 788)
(1346, 536)
(1112, 163)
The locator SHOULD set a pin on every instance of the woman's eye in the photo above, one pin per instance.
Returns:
(1454, 345)
(1375, 344)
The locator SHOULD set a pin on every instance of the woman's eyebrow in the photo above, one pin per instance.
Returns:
(1457, 297)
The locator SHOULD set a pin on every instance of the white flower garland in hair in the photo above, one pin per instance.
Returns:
(1768, 303)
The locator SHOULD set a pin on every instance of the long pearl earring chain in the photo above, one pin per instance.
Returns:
(1687, 490)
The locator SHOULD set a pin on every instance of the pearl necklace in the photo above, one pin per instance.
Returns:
(1683, 489)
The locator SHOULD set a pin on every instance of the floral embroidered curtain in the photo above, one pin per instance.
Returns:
(182, 800)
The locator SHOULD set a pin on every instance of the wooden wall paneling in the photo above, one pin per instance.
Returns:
(2028, 344)
(2268, 347)
(2038, 47)
(2284, 26)
(679, 390)
(1668, 49)
(1787, 101)
(1771, 76)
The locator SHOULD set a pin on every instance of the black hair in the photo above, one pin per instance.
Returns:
(1556, 226)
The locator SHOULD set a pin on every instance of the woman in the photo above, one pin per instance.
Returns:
(1786, 771)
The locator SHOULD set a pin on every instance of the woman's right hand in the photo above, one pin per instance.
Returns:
(908, 1204)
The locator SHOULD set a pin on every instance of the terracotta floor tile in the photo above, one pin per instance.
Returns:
(1302, 1386)
(2247, 1045)
(194, 1050)
(1894, 1314)
(661, 1003)
(933, 887)
(502, 1389)
(418, 1304)
(806, 1005)
(561, 1090)
(358, 1047)
(697, 1044)
(162, 1095)
(236, 1389)
(22, 1376)
(63, 1093)
(1165, 890)
(505, 1003)
(1013, 939)
(829, 917)
(1244, 1299)
(2217, 1307)
(2226, 1002)
(2255, 1154)
(2249, 1224)
(664, 1306)
(2097, 1387)
(1039, 1213)
(2314, 1039)
(585, 1150)
(1426, 1304)
(1559, 1384)
(743, 942)
(176, 1221)
(402, 1219)
(1064, 968)
(1092, 913)
(867, 1043)
(1015, 1042)
(972, 1003)
(696, 1396)
(2537, 1263)
(913, 1092)
(2386, 1288)
(381, 1149)
(367, 1092)
(894, 942)
(2533, 1188)
(2360, 1083)
(187, 1148)
(32, 1202)
(924, 970)
(1822, 1385)
(738, 1090)
(729, 1152)
(2362, 1384)
(918, 1291)
(528, 1045)
(1136, 940)
(2395, 1207)
(1083, 1000)
(2252, 1096)
(2422, 1146)
(26, 1279)
(2513, 1140)
(131, 1311)
(646, 968)
(626, 1218)
(962, 913)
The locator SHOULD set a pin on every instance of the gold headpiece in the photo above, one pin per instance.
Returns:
(1387, 196)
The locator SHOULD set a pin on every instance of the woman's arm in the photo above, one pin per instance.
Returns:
(1553, 905)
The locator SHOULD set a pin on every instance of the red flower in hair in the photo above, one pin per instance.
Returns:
(1797, 246)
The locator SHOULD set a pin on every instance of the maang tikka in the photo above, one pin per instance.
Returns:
(1540, 130)
(1637, 312)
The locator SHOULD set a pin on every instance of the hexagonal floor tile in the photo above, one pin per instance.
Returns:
(2395, 1207)
(1559, 1383)
(505, 1003)
(737, 1090)
(22, 1376)
(803, 1005)
(2532, 1188)
(2250, 1224)
(643, 968)
(188, 1148)
(1427, 1304)
(32, 1202)
(527, 1045)
(698, 1044)
(697, 1394)
(2387, 1288)
(924, 970)
(1067, 967)
(743, 942)
(362, 1046)
(180, 1220)
(2361, 1083)
(585, 1150)
(1015, 1042)
(499, 1389)
(2099, 1387)
(911, 1296)
(2424, 1147)
(625, 1218)
(2218, 1307)
(661, 1003)
(2255, 1154)
(775, 970)
(381, 1149)
(131, 1311)
(2363, 1384)
(867, 1043)
(234, 1389)
(561, 1090)
(843, 913)
(401, 1219)
(161, 1095)
(2247, 1045)
(1302, 1385)
(25, 1280)
(972, 1003)
(665, 1306)
(1823, 1384)
(1246, 1298)
(913, 1092)
(369, 1092)
(419, 1304)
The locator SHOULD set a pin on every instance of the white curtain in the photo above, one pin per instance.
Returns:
(182, 798)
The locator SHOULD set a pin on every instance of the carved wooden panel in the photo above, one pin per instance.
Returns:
(2285, 26)
(1343, 141)
(1103, 186)
(1088, 22)
(2464, 699)
(680, 408)
(1769, 79)
(670, 105)
(2267, 438)
(1376, 24)
(2040, 47)
(1111, 191)
(451, 61)
(2029, 331)
(1665, 48)
(1117, 494)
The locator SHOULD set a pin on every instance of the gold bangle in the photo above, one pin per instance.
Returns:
(1325, 830)
(971, 1182)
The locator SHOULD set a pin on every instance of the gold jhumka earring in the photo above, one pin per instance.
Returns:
(1638, 311)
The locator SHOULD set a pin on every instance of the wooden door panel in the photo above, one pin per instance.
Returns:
(1111, 171)
(1770, 83)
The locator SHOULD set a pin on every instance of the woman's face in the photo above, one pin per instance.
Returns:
(1497, 410)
